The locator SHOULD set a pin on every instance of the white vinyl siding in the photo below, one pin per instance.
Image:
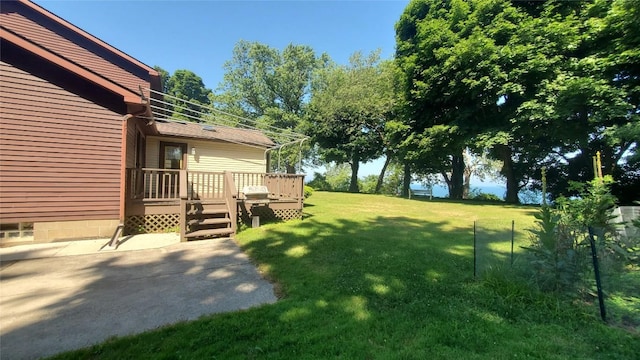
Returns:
(212, 156)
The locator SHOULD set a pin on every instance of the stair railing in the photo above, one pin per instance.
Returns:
(231, 195)
(184, 195)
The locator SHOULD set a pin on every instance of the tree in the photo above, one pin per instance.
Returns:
(449, 81)
(184, 86)
(272, 86)
(534, 83)
(164, 77)
(337, 176)
(480, 166)
(348, 111)
(592, 103)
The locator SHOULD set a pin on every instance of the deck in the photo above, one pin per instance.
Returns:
(204, 204)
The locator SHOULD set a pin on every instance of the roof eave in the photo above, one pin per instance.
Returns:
(35, 7)
(128, 96)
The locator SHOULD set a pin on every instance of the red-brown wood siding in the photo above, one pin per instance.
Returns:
(59, 153)
(132, 132)
(50, 35)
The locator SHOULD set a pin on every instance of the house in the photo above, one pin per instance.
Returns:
(87, 149)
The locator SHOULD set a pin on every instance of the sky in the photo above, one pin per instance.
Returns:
(200, 35)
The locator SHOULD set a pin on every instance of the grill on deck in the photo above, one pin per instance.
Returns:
(256, 192)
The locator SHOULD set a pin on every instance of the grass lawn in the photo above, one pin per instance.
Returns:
(375, 277)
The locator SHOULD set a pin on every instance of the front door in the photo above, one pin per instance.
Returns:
(172, 158)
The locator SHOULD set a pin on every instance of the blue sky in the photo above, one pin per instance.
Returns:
(200, 35)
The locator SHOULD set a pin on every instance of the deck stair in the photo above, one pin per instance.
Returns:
(207, 219)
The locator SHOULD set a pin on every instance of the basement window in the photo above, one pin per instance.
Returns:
(19, 231)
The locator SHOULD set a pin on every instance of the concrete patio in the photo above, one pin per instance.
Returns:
(64, 296)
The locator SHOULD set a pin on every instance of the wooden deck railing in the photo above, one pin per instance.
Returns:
(206, 185)
(149, 184)
(281, 186)
(231, 196)
(154, 184)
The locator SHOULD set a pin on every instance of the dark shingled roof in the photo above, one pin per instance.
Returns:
(213, 132)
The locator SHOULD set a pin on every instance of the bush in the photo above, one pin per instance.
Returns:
(368, 184)
(560, 250)
(308, 191)
(558, 258)
(319, 182)
(486, 197)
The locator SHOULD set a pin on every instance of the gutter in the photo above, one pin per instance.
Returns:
(113, 243)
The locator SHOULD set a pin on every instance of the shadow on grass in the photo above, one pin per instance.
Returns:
(382, 287)
(534, 208)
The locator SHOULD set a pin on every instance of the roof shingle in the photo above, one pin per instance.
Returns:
(213, 132)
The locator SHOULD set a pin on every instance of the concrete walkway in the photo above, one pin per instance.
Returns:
(64, 296)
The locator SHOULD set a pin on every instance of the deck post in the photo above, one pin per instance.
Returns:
(300, 185)
(183, 205)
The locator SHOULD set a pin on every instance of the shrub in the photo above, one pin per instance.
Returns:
(486, 197)
(368, 184)
(319, 182)
(308, 191)
(560, 251)
(557, 261)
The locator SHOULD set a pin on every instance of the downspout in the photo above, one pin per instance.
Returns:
(113, 243)
(266, 159)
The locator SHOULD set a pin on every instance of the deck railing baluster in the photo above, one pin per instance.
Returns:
(163, 184)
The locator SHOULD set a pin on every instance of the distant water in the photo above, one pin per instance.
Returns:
(526, 197)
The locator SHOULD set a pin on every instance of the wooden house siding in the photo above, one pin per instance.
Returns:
(132, 134)
(59, 153)
(212, 156)
(51, 35)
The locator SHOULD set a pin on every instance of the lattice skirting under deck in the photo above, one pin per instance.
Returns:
(267, 214)
(140, 224)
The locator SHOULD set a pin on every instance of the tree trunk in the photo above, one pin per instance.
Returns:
(406, 180)
(457, 177)
(381, 176)
(447, 180)
(466, 187)
(512, 188)
(469, 167)
(508, 172)
(355, 166)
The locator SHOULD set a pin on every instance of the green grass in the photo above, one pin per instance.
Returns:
(374, 277)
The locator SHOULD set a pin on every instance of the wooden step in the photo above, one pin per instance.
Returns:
(209, 221)
(208, 202)
(213, 211)
(209, 232)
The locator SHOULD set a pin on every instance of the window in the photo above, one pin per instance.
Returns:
(20, 231)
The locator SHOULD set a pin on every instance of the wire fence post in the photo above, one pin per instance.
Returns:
(475, 265)
(596, 270)
(513, 226)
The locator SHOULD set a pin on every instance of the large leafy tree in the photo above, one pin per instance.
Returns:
(590, 103)
(270, 85)
(188, 94)
(450, 82)
(534, 83)
(348, 111)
